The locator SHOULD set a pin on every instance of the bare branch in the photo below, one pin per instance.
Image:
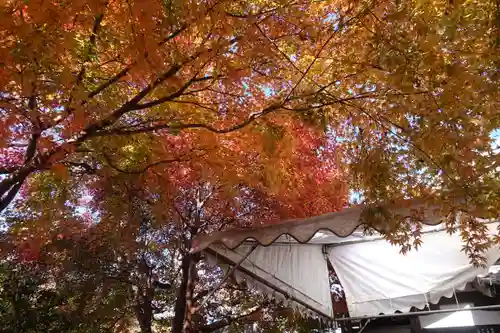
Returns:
(142, 170)
(174, 34)
(229, 320)
(7, 199)
(110, 82)
(164, 99)
(210, 128)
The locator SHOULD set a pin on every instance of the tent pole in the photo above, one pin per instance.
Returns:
(421, 313)
(364, 326)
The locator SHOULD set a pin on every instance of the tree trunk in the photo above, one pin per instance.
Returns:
(184, 306)
(145, 327)
(190, 306)
(144, 313)
(180, 303)
(144, 298)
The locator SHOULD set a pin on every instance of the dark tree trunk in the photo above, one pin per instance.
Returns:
(144, 297)
(180, 303)
(145, 326)
(184, 305)
(190, 306)
(144, 313)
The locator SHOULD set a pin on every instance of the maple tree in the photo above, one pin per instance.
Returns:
(131, 264)
(71, 79)
(120, 188)
(183, 200)
(277, 104)
(410, 86)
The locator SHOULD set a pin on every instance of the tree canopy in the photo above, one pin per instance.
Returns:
(167, 118)
(408, 91)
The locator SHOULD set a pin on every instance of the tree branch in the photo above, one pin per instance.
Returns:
(228, 321)
(91, 47)
(180, 304)
(210, 128)
(128, 106)
(403, 137)
(31, 150)
(7, 199)
(92, 44)
(164, 99)
(174, 34)
(85, 166)
(7, 170)
(144, 169)
(125, 70)
(110, 82)
(36, 131)
(228, 274)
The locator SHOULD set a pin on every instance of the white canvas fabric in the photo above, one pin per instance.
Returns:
(296, 270)
(378, 279)
(339, 225)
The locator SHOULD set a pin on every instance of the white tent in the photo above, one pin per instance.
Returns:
(289, 261)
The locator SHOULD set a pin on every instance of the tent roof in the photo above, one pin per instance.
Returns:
(292, 263)
(339, 227)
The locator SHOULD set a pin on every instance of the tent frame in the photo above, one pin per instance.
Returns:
(420, 313)
(253, 240)
(237, 266)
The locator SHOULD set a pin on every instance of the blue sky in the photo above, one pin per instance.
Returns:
(355, 197)
(495, 135)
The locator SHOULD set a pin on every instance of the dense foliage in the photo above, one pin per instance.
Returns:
(129, 127)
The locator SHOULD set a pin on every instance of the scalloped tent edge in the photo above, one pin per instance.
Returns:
(342, 224)
(290, 263)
